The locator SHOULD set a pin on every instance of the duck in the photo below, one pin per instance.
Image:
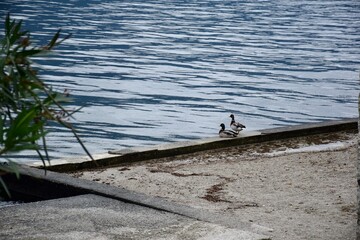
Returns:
(236, 126)
(226, 133)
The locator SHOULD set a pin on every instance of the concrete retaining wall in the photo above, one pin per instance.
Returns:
(173, 149)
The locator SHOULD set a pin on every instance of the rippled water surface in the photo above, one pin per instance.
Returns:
(150, 72)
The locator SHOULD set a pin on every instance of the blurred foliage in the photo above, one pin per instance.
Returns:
(27, 104)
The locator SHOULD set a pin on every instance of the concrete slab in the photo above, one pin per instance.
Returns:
(95, 217)
(38, 185)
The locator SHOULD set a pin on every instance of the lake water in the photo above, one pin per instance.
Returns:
(150, 72)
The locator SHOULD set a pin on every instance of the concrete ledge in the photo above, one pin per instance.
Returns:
(166, 150)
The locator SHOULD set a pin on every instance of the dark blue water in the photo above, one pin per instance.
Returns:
(150, 72)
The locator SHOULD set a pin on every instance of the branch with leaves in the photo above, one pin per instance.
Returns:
(27, 104)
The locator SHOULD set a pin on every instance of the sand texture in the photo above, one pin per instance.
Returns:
(302, 188)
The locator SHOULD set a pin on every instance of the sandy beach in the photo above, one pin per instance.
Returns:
(301, 188)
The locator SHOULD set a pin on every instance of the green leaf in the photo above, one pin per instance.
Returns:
(3, 185)
(1, 130)
(54, 39)
(22, 129)
(22, 147)
(27, 53)
(10, 167)
(15, 33)
(7, 22)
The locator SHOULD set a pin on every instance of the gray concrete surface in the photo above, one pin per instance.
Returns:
(33, 180)
(95, 217)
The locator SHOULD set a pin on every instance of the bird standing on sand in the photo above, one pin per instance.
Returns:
(236, 126)
(226, 133)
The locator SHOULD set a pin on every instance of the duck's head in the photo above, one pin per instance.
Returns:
(232, 116)
(222, 126)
